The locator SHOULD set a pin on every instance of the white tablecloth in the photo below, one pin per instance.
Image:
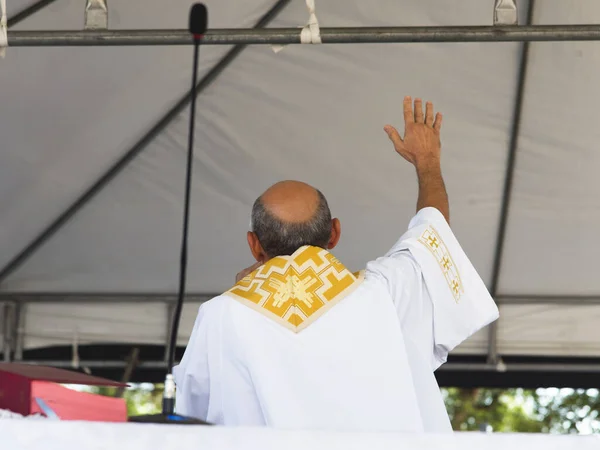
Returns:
(57, 435)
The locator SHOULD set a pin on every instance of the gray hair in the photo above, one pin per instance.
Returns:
(279, 238)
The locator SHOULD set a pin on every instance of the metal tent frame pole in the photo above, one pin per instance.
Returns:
(448, 367)
(282, 36)
(492, 354)
(194, 298)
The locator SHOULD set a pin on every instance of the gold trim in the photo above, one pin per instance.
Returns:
(296, 290)
(432, 240)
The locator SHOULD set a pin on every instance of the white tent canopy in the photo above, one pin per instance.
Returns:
(108, 274)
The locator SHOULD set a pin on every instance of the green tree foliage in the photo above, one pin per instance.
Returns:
(140, 399)
(524, 411)
(474, 409)
(569, 411)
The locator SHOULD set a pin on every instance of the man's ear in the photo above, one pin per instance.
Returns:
(256, 249)
(336, 232)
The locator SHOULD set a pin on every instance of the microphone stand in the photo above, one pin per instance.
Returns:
(169, 394)
(168, 403)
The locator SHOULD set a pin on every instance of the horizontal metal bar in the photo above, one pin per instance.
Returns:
(575, 300)
(292, 35)
(523, 367)
(98, 364)
(514, 367)
(86, 298)
(102, 298)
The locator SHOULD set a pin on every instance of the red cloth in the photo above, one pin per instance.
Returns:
(20, 384)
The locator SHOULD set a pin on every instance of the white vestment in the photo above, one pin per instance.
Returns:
(364, 364)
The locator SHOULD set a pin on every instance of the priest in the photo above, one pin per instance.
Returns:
(302, 342)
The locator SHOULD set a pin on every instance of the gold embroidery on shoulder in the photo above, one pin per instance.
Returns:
(296, 290)
(434, 243)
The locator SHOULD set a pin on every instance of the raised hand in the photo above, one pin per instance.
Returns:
(421, 145)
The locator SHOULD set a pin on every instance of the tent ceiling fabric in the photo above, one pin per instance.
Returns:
(76, 110)
(555, 213)
(313, 113)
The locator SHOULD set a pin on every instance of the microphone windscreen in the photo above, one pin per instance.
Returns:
(198, 19)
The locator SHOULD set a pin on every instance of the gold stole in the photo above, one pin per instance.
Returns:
(296, 290)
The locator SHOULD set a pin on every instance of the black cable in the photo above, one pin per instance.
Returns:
(186, 214)
(169, 403)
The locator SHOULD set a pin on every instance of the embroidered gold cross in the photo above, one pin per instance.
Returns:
(446, 262)
(455, 286)
(294, 287)
(433, 242)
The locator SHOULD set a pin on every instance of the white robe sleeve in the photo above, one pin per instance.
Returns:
(439, 297)
(196, 391)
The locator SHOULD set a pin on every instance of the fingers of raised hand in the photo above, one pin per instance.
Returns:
(437, 125)
(408, 111)
(394, 136)
(429, 114)
(419, 111)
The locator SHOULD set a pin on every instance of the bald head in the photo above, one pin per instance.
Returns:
(289, 215)
(291, 201)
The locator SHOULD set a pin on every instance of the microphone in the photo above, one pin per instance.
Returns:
(198, 20)
(197, 27)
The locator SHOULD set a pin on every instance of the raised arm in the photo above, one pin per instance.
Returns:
(421, 147)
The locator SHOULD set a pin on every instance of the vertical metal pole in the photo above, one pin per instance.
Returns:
(7, 330)
(19, 333)
(132, 362)
(3, 317)
(170, 312)
(492, 356)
